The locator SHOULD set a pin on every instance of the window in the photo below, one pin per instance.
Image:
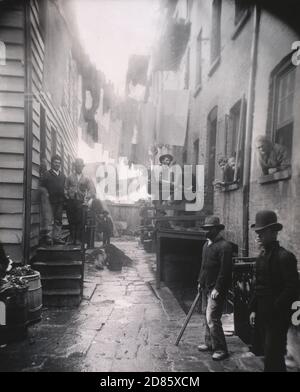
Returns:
(199, 60)
(232, 136)
(235, 133)
(283, 108)
(241, 9)
(280, 124)
(241, 16)
(53, 142)
(215, 48)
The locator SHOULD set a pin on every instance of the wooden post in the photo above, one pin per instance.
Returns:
(27, 134)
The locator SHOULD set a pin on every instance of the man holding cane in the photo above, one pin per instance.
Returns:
(214, 281)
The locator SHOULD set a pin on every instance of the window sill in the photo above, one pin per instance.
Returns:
(274, 177)
(241, 24)
(214, 66)
(197, 90)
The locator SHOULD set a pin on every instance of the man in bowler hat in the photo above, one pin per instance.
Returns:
(79, 189)
(214, 281)
(274, 292)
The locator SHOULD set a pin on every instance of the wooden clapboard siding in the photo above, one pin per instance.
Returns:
(11, 206)
(35, 196)
(12, 129)
(12, 123)
(11, 176)
(13, 146)
(11, 221)
(36, 144)
(37, 58)
(11, 236)
(14, 36)
(36, 160)
(12, 68)
(12, 100)
(8, 114)
(14, 52)
(12, 19)
(12, 83)
(35, 208)
(10, 161)
(11, 191)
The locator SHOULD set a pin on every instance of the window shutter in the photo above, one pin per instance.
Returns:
(240, 142)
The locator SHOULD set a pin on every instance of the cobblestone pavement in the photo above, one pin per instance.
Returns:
(123, 324)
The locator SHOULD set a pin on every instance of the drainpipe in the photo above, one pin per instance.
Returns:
(27, 134)
(249, 129)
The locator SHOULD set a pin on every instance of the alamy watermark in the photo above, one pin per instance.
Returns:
(164, 183)
(296, 315)
(296, 54)
(2, 314)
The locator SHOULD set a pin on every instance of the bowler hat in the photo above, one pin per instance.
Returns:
(265, 219)
(212, 221)
(162, 157)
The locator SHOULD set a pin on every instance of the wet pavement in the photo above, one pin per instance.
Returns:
(123, 324)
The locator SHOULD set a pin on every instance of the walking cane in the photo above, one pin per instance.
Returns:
(187, 319)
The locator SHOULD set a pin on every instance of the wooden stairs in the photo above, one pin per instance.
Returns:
(62, 273)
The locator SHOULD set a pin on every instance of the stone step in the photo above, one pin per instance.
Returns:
(62, 282)
(62, 298)
(63, 268)
(63, 277)
(59, 252)
(62, 292)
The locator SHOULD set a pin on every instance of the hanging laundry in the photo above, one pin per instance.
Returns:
(172, 117)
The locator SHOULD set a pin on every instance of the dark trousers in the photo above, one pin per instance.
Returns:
(213, 308)
(57, 211)
(106, 238)
(272, 333)
(75, 218)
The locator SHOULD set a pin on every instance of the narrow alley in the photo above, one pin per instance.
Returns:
(123, 324)
(149, 172)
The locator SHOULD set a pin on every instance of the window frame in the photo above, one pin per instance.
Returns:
(216, 35)
(198, 65)
(284, 69)
(239, 15)
(240, 142)
(271, 131)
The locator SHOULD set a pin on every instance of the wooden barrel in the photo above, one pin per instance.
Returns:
(34, 297)
(16, 315)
